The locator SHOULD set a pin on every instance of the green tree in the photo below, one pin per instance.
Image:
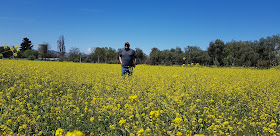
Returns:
(179, 54)
(111, 55)
(190, 53)
(267, 49)
(202, 57)
(26, 44)
(99, 55)
(154, 57)
(246, 55)
(167, 57)
(141, 56)
(74, 55)
(30, 54)
(195, 54)
(216, 52)
(232, 52)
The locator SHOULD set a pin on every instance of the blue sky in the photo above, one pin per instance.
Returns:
(164, 24)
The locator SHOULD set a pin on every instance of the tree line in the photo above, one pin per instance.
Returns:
(259, 53)
(103, 55)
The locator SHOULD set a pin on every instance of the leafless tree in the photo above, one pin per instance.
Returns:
(60, 45)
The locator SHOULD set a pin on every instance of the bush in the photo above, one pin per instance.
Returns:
(31, 57)
(263, 64)
(31, 53)
(63, 58)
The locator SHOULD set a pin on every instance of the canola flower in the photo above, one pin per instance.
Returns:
(112, 127)
(178, 120)
(75, 133)
(122, 122)
(140, 132)
(154, 115)
(59, 132)
(59, 98)
(92, 119)
(133, 98)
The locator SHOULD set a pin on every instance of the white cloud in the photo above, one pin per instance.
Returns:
(89, 50)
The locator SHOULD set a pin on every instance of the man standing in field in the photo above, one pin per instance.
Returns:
(128, 59)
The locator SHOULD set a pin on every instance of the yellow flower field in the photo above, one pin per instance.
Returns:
(59, 98)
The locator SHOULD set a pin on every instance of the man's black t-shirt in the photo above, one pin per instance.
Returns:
(127, 57)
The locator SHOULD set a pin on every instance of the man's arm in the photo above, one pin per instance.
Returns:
(134, 62)
(135, 56)
(120, 58)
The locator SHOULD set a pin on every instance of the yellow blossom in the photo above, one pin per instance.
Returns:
(179, 133)
(154, 114)
(140, 132)
(75, 133)
(112, 127)
(59, 132)
(178, 121)
(12, 49)
(91, 119)
(122, 122)
(133, 98)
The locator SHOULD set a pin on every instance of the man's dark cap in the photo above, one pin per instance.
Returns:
(127, 44)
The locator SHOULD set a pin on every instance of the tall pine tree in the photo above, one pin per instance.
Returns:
(26, 44)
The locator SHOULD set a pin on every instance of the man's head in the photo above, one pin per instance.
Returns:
(126, 45)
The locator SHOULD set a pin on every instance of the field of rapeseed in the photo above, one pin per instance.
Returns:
(58, 98)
